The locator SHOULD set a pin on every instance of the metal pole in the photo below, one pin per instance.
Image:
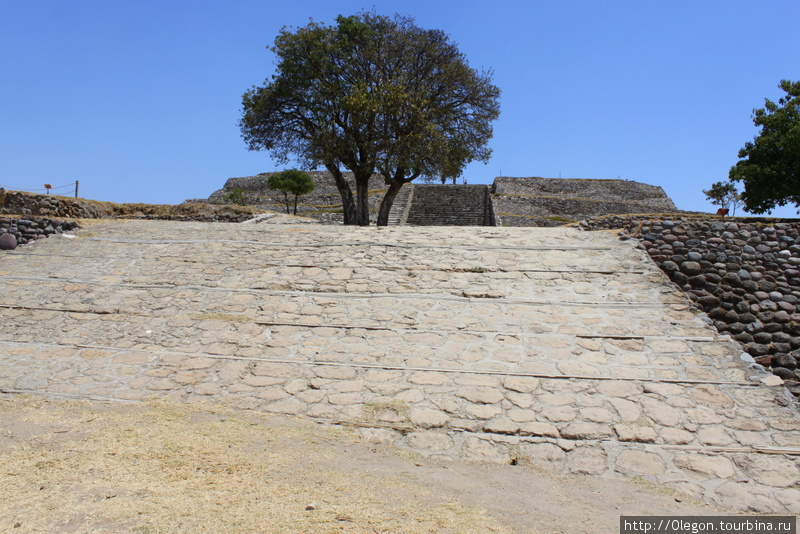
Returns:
(76, 188)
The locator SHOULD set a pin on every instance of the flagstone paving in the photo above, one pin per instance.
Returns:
(564, 349)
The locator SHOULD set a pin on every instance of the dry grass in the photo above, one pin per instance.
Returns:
(157, 467)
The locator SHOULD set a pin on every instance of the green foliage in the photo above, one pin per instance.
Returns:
(724, 194)
(237, 196)
(372, 94)
(291, 181)
(770, 165)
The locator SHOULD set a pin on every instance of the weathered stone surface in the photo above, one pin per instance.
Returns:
(428, 418)
(550, 399)
(771, 470)
(479, 394)
(661, 413)
(627, 410)
(711, 396)
(540, 429)
(559, 413)
(483, 411)
(597, 415)
(521, 384)
(619, 388)
(640, 462)
(587, 460)
(429, 441)
(744, 497)
(501, 425)
(705, 466)
(585, 431)
(545, 455)
(628, 432)
(483, 451)
(714, 435)
(290, 405)
(521, 416)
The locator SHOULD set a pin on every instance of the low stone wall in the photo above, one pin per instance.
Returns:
(744, 273)
(28, 205)
(18, 203)
(14, 232)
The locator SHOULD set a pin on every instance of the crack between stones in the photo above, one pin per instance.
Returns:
(346, 295)
(344, 244)
(401, 368)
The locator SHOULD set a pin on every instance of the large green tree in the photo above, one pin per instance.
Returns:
(769, 166)
(372, 94)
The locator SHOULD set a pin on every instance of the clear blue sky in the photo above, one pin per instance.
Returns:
(139, 99)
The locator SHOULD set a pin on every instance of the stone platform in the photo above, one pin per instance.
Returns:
(564, 349)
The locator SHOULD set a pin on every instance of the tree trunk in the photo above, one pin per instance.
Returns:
(362, 200)
(348, 205)
(286, 199)
(388, 200)
(295, 204)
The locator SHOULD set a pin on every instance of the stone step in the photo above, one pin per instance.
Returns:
(399, 212)
(451, 205)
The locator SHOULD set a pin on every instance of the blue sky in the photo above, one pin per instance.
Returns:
(139, 100)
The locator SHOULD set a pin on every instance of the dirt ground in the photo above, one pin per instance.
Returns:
(69, 466)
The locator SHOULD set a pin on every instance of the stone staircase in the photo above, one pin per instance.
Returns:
(402, 202)
(451, 205)
(569, 351)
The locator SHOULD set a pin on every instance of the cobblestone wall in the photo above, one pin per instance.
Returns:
(15, 232)
(18, 203)
(745, 274)
(29, 205)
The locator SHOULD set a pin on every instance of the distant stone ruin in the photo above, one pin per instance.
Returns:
(556, 201)
(531, 201)
(324, 203)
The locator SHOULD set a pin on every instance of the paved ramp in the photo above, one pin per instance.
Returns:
(563, 349)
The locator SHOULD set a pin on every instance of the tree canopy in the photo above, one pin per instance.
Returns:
(769, 166)
(372, 94)
(291, 181)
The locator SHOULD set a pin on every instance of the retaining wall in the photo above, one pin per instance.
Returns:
(535, 201)
(26, 230)
(28, 205)
(745, 274)
(18, 203)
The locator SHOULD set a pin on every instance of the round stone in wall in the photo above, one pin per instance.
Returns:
(691, 268)
(8, 242)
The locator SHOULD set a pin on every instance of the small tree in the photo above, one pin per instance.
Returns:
(724, 195)
(237, 196)
(291, 181)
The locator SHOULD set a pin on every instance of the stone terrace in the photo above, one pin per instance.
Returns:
(553, 201)
(566, 349)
